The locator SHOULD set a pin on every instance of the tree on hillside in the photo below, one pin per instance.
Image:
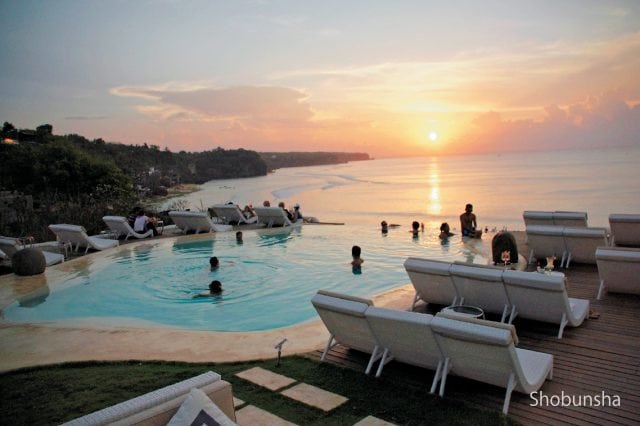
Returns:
(44, 133)
(9, 131)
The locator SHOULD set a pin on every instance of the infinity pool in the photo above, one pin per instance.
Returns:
(268, 280)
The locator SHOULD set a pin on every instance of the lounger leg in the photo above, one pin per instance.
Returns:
(513, 315)
(372, 360)
(568, 261)
(415, 299)
(504, 313)
(436, 378)
(383, 361)
(507, 397)
(326, 349)
(563, 323)
(531, 256)
(600, 289)
(443, 380)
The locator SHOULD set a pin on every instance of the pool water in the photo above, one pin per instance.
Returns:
(268, 280)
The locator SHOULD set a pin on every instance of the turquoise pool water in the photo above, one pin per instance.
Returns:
(268, 280)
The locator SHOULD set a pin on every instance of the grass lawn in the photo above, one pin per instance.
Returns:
(58, 393)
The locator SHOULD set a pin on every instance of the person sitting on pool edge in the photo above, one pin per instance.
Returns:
(214, 263)
(468, 223)
(445, 231)
(296, 215)
(355, 254)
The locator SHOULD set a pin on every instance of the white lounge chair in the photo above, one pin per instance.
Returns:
(272, 216)
(196, 221)
(482, 287)
(158, 407)
(77, 236)
(432, 281)
(406, 337)
(488, 354)
(546, 241)
(11, 246)
(581, 243)
(573, 219)
(625, 229)
(535, 217)
(119, 225)
(619, 270)
(543, 297)
(554, 218)
(344, 317)
(231, 214)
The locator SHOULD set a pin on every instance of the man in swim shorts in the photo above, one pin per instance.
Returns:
(468, 223)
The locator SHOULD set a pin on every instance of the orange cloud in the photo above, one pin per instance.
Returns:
(598, 121)
(557, 95)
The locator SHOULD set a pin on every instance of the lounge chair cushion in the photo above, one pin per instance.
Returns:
(501, 325)
(199, 409)
(576, 216)
(620, 254)
(619, 217)
(340, 305)
(11, 246)
(435, 267)
(545, 230)
(537, 280)
(157, 407)
(346, 297)
(535, 366)
(534, 214)
(472, 332)
(479, 273)
(572, 231)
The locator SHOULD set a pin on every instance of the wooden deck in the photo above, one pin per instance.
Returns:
(602, 355)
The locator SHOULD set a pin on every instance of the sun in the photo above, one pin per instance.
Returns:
(433, 136)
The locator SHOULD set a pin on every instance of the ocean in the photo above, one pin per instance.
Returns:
(432, 190)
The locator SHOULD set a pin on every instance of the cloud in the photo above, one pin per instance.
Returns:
(555, 95)
(88, 117)
(253, 106)
(598, 121)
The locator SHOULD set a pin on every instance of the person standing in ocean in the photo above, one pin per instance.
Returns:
(468, 223)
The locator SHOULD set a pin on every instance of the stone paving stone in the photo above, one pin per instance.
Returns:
(265, 378)
(373, 421)
(314, 396)
(254, 416)
(237, 402)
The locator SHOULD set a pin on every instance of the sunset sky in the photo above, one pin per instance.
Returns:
(391, 78)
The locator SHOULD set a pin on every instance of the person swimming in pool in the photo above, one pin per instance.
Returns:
(384, 226)
(445, 231)
(215, 289)
(355, 254)
(214, 263)
(415, 228)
